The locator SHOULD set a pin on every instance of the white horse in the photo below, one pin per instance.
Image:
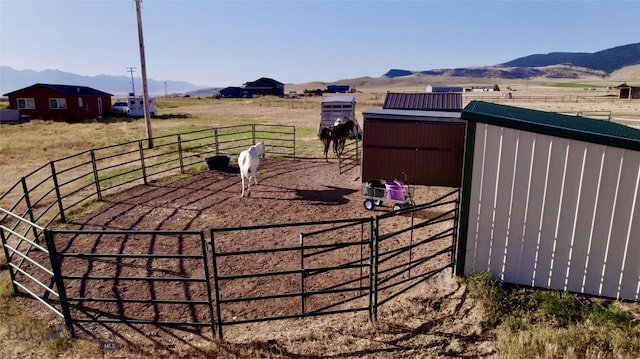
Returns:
(248, 161)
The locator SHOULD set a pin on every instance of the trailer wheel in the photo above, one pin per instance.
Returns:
(368, 204)
(377, 202)
(397, 207)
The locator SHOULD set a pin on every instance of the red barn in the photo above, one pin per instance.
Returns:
(60, 102)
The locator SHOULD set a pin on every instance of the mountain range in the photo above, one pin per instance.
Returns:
(12, 79)
(552, 65)
(555, 65)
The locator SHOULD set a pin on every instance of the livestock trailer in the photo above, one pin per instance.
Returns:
(338, 107)
(136, 106)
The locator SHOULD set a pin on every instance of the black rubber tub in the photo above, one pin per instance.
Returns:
(219, 162)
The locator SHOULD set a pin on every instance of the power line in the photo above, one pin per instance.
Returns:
(133, 88)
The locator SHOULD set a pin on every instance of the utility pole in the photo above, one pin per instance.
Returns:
(143, 65)
(133, 87)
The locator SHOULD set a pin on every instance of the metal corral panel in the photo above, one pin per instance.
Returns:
(423, 101)
(426, 148)
(553, 201)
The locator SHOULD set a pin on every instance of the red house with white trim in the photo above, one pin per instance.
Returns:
(60, 102)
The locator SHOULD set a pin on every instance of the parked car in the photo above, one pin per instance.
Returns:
(120, 108)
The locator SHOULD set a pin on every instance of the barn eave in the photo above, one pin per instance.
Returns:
(554, 124)
(412, 115)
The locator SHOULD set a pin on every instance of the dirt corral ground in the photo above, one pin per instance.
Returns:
(433, 319)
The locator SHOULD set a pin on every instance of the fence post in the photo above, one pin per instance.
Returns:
(302, 274)
(454, 239)
(56, 260)
(180, 154)
(6, 255)
(208, 282)
(373, 271)
(29, 211)
(253, 133)
(216, 285)
(294, 143)
(55, 185)
(96, 178)
(142, 166)
(215, 138)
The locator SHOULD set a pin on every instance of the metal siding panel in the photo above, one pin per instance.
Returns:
(630, 283)
(552, 194)
(546, 219)
(621, 222)
(520, 199)
(431, 152)
(473, 262)
(567, 214)
(504, 194)
(488, 193)
(602, 221)
(591, 173)
(542, 146)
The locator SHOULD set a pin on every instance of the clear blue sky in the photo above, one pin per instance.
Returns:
(226, 43)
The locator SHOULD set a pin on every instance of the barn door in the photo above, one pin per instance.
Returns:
(99, 107)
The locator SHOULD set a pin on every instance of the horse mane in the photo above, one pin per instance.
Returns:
(260, 148)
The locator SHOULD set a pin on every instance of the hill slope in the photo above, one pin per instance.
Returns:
(553, 65)
(606, 60)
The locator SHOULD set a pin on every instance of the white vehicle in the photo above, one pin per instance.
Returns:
(120, 108)
(339, 109)
(136, 106)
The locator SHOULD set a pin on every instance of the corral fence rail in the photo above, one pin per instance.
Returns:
(164, 270)
(307, 279)
(380, 259)
(515, 97)
(49, 192)
(351, 155)
(407, 255)
(30, 265)
(43, 262)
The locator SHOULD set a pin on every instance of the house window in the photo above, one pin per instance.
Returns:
(26, 104)
(57, 103)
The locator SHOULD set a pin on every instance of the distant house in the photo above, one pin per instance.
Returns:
(234, 92)
(338, 89)
(443, 88)
(482, 89)
(265, 87)
(629, 92)
(60, 102)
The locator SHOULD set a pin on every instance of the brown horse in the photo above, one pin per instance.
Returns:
(325, 137)
(339, 136)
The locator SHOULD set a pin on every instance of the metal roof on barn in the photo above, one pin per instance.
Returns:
(423, 101)
(554, 124)
(66, 89)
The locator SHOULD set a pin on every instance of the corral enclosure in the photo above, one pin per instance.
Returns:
(141, 258)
